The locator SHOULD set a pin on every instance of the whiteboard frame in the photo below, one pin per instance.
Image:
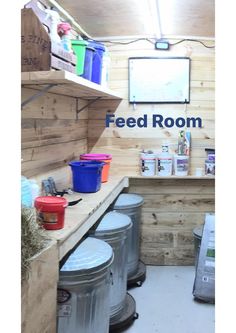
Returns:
(158, 101)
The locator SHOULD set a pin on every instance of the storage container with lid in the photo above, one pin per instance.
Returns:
(164, 162)
(84, 289)
(51, 211)
(88, 63)
(114, 229)
(197, 233)
(26, 195)
(130, 204)
(79, 48)
(97, 61)
(181, 165)
(148, 164)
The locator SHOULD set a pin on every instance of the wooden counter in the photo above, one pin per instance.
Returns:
(160, 228)
(81, 217)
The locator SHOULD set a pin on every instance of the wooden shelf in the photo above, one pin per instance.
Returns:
(67, 84)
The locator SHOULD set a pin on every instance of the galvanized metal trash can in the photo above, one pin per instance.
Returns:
(84, 289)
(197, 233)
(113, 228)
(131, 204)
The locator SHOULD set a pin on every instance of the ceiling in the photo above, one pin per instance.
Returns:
(160, 18)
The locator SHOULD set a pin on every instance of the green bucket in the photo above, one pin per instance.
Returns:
(79, 47)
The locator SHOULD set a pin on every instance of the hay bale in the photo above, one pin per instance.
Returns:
(33, 239)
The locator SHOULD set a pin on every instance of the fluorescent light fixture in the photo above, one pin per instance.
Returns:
(154, 18)
(148, 13)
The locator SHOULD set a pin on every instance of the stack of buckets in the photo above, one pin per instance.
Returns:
(89, 59)
(90, 172)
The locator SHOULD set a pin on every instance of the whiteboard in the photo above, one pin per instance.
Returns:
(159, 80)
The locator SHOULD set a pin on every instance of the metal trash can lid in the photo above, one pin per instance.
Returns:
(128, 200)
(90, 256)
(113, 222)
(197, 231)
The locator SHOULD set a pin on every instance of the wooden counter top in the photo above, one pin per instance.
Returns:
(81, 217)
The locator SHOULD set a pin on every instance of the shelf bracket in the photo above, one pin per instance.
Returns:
(38, 94)
(85, 106)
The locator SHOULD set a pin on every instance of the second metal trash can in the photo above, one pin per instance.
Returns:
(131, 204)
(84, 289)
(114, 229)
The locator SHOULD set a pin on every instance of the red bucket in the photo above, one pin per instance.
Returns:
(51, 211)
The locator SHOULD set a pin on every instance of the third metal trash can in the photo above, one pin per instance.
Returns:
(130, 204)
(84, 289)
(114, 228)
(197, 233)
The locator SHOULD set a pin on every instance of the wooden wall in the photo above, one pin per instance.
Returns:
(126, 143)
(171, 210)
(51, 134)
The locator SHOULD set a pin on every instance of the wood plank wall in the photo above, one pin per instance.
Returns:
(52, 135)
(172, 207)
(171, 210)
(126, 143)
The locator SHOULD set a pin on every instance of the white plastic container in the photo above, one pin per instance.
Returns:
(105, 68)
(164, 162)
(54, 18)
(35, 192)
(181, 165)
(26, 196)
(148, 164)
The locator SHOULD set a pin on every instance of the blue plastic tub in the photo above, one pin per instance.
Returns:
(86, 176)
(88, 63)
(97, 61)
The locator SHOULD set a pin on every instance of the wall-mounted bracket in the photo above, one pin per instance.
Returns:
(38, 94)
(85, 106)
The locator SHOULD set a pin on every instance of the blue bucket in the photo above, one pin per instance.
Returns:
(86, 176)
(88, 63)
(97, 61)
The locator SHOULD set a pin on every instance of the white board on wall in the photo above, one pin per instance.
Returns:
(159, 80)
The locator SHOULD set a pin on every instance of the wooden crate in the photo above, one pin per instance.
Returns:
(38, 52)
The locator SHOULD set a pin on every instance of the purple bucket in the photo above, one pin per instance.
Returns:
(97, 61)
(88, 63)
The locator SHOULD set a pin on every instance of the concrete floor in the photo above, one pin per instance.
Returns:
(165, 303)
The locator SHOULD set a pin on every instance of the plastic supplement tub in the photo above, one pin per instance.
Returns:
(51, 211)
(181, 165)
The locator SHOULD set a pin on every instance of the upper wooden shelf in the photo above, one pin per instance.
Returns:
(66, 83)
